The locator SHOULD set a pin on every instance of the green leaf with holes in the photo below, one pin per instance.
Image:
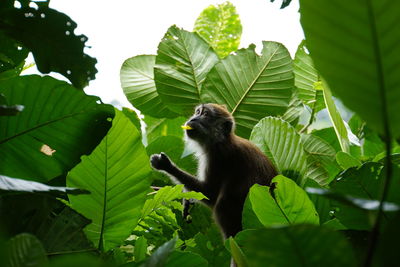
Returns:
(117, 175)
(252, 86)
(282, 144)
(353, 45)
(50, 36)
(137, 81)
(284, 203)
(220, 26)
(182, 63)
(58, 125)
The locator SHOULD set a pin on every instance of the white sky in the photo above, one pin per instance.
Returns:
(121, 29)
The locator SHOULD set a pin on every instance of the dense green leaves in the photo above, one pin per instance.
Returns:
(362, 58)
(137, 81)
(57, 126)
(26, 250)
(284, 203)
(220, 26)
(282, 144)
(252, 86)
(305, 77)
(62, 53)
(298, 245)
(182, 63)
(118, 189)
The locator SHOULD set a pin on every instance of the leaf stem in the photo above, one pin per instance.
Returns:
(387, 136)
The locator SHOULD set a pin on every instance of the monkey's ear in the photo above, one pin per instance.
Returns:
(227, 127)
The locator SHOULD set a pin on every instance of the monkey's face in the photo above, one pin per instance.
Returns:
(210, 123)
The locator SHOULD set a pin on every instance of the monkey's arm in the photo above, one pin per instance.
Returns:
(163, 163)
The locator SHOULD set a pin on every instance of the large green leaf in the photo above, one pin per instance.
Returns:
(50, 36)
(57, 126)
(296, 245)
(182, 63)
(305, 75)
(353, 45)
(163, 127)
(25, 250)
(282, 144)
(220, 26)
(321, 164)
(137, 81)
(252, 86)
(117, 175)
(284, 203)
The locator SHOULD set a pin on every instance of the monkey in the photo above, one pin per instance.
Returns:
(228, 165)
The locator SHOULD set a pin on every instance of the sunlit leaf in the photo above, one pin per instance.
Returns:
(182, 63)
(137, 81)
(117, 175)
(56, 116)
(252, 86)
(284, 203)
(282, 144)
(220, 26)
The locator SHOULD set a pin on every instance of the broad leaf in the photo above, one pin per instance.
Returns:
(62, 53)
(182, 63)
(252, 86)
(321, 165)
(220, 26)
(163, 127)
(284, 203)
(346, 160)
(19, 185)
(11, 54)
(57, 126)
(25, 250)
(117, 175)
(282, 144)
(305, 75)
(137, 81)
(297, 245)
(352, 45)
(183, 258)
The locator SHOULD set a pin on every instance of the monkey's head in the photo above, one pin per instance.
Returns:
(210, 123)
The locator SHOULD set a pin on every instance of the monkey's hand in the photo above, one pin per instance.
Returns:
(161, 162)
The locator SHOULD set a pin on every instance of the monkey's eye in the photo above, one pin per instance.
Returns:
(205, 113)
(197, 111)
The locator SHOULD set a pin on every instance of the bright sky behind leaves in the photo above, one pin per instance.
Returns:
(121, 29)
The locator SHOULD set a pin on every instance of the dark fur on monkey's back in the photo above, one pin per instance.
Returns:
(229, 165)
